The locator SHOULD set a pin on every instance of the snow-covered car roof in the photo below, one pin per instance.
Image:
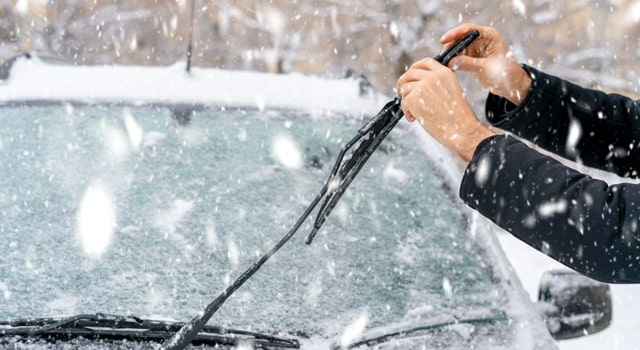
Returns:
(31, 79)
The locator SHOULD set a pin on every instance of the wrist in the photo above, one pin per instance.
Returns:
(519, 84)
(467, 148)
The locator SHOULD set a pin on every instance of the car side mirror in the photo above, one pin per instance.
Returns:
(573, 305)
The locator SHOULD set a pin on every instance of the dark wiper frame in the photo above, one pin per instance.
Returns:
(117, 327)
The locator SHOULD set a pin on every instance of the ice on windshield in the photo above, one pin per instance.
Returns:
(122, 210)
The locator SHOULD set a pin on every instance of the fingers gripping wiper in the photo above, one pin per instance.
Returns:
(343, 172)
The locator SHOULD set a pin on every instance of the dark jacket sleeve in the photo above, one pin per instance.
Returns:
(593, 128)
(579, 221)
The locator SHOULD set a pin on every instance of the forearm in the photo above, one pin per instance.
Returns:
(469, 140)
(579, 221)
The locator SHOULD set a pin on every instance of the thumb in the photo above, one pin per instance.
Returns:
(466, 64)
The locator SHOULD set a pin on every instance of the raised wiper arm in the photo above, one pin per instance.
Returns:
(133, 328)
(344, 171)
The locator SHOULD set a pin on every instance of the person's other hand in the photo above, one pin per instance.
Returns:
(431, 94)
(489, 60)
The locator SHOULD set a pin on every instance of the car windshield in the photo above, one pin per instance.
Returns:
(130, 210)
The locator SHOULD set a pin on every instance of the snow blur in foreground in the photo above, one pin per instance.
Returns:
(354, 331)
(286, 152)
(96, 220)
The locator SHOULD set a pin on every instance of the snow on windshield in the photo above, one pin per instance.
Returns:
(122, 210)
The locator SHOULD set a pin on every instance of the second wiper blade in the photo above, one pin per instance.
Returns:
(117, 327)
(424, 329)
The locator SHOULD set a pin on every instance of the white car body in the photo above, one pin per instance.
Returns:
(33, 80)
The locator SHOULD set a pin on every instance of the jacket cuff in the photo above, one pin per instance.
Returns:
(500, 111)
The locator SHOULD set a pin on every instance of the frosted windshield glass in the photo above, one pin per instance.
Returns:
(123, 210)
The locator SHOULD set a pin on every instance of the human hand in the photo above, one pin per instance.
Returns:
(431, 94)
(489, 60)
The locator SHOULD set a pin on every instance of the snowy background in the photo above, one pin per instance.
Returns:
(594, 43)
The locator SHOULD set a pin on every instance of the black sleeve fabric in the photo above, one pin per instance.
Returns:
(579, 221)
(593, 128)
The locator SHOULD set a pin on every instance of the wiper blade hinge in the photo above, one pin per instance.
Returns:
(366, 142)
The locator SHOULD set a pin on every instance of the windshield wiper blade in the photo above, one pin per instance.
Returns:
(133, 328)
(367, 140)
